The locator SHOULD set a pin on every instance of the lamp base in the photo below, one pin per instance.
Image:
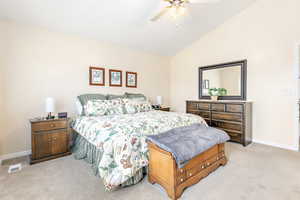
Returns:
(50, 116)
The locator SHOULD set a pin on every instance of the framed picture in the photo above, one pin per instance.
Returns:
(97, 76)
(115, 78)
(131, 79)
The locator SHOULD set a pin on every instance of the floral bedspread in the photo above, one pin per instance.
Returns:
(122, 139)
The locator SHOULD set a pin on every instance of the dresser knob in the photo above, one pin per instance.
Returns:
(52, 125)
(208, 164)
(191, 174)
(202, 167)
(181, 170)
(181, 180)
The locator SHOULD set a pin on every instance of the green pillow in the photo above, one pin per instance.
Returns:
(135, 96)
(112, 96)
(84, 98)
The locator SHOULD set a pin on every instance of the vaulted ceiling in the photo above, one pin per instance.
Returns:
(124, 22)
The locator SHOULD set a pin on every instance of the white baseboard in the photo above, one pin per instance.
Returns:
(14, 155)
(276, 145)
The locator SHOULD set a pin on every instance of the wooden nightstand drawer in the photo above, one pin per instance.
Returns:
(49, 125)
(167, 109)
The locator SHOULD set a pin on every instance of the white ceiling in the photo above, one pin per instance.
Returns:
(123, 22)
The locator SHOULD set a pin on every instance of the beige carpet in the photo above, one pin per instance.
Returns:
(252, 173)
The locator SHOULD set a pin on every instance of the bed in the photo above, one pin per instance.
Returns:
(115, 145)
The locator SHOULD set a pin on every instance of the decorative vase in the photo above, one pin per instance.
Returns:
(214, 98)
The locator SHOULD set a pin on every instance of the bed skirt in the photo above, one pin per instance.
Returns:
(84, 150)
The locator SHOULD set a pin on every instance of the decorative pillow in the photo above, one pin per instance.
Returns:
(115, 107)
(144, 106)
(96, 108)
(83, 99)
(130, 106)
(133, 106)
(137, 97)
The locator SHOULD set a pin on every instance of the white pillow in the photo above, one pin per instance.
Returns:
(79, 108)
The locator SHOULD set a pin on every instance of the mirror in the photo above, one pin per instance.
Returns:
(230, 76)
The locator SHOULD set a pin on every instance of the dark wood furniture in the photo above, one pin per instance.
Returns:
(163, 169)
(50, 139)
(234, 117)
(243, 79)
(167, 109)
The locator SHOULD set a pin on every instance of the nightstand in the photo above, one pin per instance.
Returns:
(167, 109)
(49, 139)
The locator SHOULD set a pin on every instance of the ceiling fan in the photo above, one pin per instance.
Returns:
(178, 7)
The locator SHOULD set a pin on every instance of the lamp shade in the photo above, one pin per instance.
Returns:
(159, 100)
(50, 104)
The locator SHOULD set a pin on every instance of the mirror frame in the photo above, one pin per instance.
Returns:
(242, 64)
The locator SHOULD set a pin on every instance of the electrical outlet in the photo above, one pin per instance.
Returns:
(15, 168)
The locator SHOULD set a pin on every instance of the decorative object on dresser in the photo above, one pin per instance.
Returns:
(229, 76)
(97, 76)
(62, 115)
(164, 171)
(50, 107)
(234, 117)
(49, 139)
(131, 79)
(115, 78)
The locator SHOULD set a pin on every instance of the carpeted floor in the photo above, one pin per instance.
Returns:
(252, 173)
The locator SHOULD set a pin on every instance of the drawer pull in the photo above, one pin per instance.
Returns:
(234, 134)
(191, 174)
(181, 170)
(52, 125)
(202, 167)
(181, 180)
(208, 164)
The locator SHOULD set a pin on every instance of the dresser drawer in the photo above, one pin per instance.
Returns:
(204, 114)
(191, 106)
(236, 108)
(203, 106)
(235, 136)
(218, 107)
(227, 116)
(227, 125)
(47, 126)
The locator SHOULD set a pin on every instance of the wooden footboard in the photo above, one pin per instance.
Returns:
(163, 169)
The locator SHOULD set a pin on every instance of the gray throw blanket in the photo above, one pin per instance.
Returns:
(189, 141)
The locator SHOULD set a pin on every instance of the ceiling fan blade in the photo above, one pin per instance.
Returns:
(161, 13)
(204, 1)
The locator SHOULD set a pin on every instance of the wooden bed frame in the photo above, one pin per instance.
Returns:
(163, 169)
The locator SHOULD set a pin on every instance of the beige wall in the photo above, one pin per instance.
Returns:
(266, 34)
(39, 63)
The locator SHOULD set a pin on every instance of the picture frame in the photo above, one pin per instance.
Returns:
(131, 79)
(97, 76)
(115, 78)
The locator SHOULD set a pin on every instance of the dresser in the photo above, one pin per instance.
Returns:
(50, 139)
(234, 117)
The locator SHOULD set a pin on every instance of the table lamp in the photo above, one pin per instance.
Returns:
(50, 107)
